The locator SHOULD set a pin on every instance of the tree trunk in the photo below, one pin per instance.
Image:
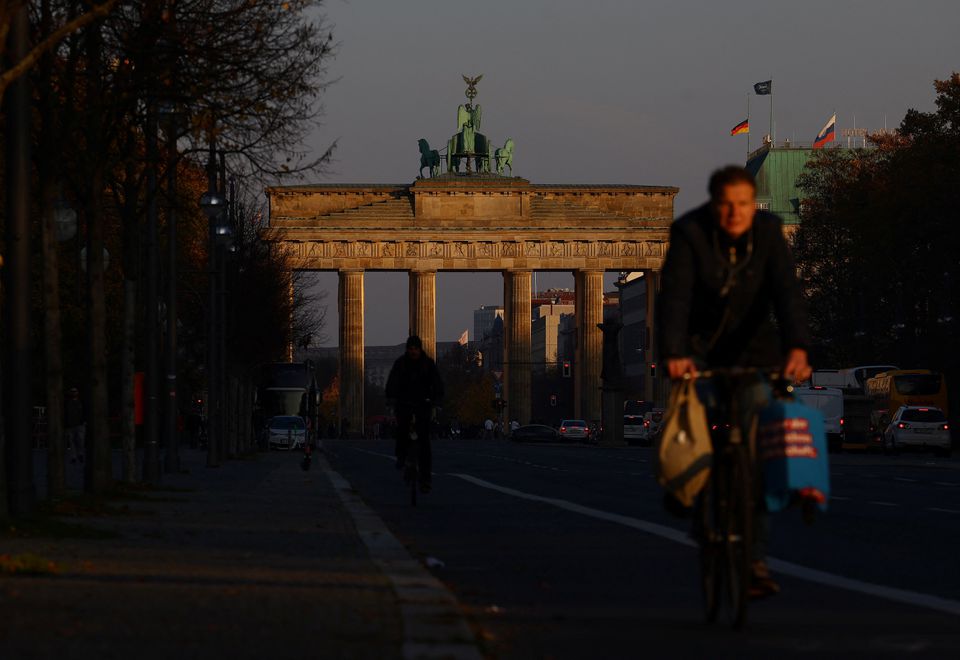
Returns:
(52, 334)
(99, 469)
(127, 371)
(128, 354)
(56, 476)
(16, 279)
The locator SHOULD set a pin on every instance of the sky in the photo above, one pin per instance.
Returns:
(607, 91)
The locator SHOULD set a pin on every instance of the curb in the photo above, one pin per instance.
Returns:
(433, 626)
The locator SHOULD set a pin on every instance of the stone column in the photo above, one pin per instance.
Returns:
(517, 357)
(422, 301)
(350, 303)
(589, 355)
(292, 298)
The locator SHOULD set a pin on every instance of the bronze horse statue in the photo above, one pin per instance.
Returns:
(428, 158)
(504, 157)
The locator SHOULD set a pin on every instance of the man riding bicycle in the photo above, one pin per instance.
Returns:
(415, 387)
(730, 298)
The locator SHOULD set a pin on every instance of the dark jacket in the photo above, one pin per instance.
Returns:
(759, 317)
(412, 382)
(73, 413)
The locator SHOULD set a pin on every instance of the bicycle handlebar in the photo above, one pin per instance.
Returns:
(773, 373)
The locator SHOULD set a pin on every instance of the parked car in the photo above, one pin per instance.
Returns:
(286, 432)
(918, 428)
(633, 412)
(652, 426)
(535, 433)
(574, 429)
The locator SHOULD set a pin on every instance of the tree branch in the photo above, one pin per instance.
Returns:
(21, 67)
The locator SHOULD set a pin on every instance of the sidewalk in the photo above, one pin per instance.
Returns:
(255, 559)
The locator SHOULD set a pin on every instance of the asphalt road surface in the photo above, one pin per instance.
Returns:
(564, 551)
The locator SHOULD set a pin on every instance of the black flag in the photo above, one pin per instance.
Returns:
(765, 87)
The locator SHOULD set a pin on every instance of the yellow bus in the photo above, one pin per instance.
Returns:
(908, 387)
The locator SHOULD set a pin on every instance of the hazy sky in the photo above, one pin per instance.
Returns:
(608, 91)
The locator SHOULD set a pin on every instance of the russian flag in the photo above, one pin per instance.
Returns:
(827, 133)
(742, 127)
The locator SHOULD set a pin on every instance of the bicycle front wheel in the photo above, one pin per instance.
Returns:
(738, 533)
(711, 550)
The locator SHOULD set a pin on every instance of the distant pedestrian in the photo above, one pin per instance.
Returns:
(488, 429)
(74, 422)
(514, 425)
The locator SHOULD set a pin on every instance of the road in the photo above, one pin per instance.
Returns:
(564, 551)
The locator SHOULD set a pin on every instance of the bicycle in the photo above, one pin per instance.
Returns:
(411, 468)
(727, 502)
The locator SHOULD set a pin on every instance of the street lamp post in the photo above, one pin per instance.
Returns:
(151, 453)
(213, 205)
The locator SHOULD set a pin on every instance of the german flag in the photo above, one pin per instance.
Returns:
(742, 127)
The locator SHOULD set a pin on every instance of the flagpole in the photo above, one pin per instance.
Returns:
(772, 138)
(748, 125)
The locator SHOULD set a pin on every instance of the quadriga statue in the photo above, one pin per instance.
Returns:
(428, 158)
(504, 157)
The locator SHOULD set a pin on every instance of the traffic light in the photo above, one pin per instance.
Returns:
(553, 400)
(566, 368)
(653, 370)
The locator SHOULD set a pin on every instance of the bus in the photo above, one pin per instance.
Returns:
(908, 387)
(851, 379)
(288, 388)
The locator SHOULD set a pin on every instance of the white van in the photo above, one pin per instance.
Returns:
(829, 401)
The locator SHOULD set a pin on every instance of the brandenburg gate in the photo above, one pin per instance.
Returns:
(480, 219)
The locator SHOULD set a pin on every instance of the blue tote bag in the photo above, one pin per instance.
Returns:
(792, 450)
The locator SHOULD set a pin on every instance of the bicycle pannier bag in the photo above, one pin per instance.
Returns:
(685, 453)
(792, 448)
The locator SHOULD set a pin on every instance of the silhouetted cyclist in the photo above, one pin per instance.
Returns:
(415, 387)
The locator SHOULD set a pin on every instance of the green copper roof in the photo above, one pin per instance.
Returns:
(776, 170)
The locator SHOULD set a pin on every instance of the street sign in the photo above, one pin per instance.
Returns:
(498, 388)
(497, 374)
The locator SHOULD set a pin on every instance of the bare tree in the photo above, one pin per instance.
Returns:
(51, 37)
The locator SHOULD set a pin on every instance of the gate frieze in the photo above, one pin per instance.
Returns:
(469, 253)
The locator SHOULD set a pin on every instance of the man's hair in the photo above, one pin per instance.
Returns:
(414, 340)
(728, 176)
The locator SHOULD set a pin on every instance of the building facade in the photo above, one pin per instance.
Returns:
(483, 319)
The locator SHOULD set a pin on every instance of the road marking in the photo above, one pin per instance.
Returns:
(838, 497)
(943, 483)
(787, 568)
(652, 528)
(934, 508)
(519, 462)
(882, 503)
(373, 453)
(910, 481)
(433, 625)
